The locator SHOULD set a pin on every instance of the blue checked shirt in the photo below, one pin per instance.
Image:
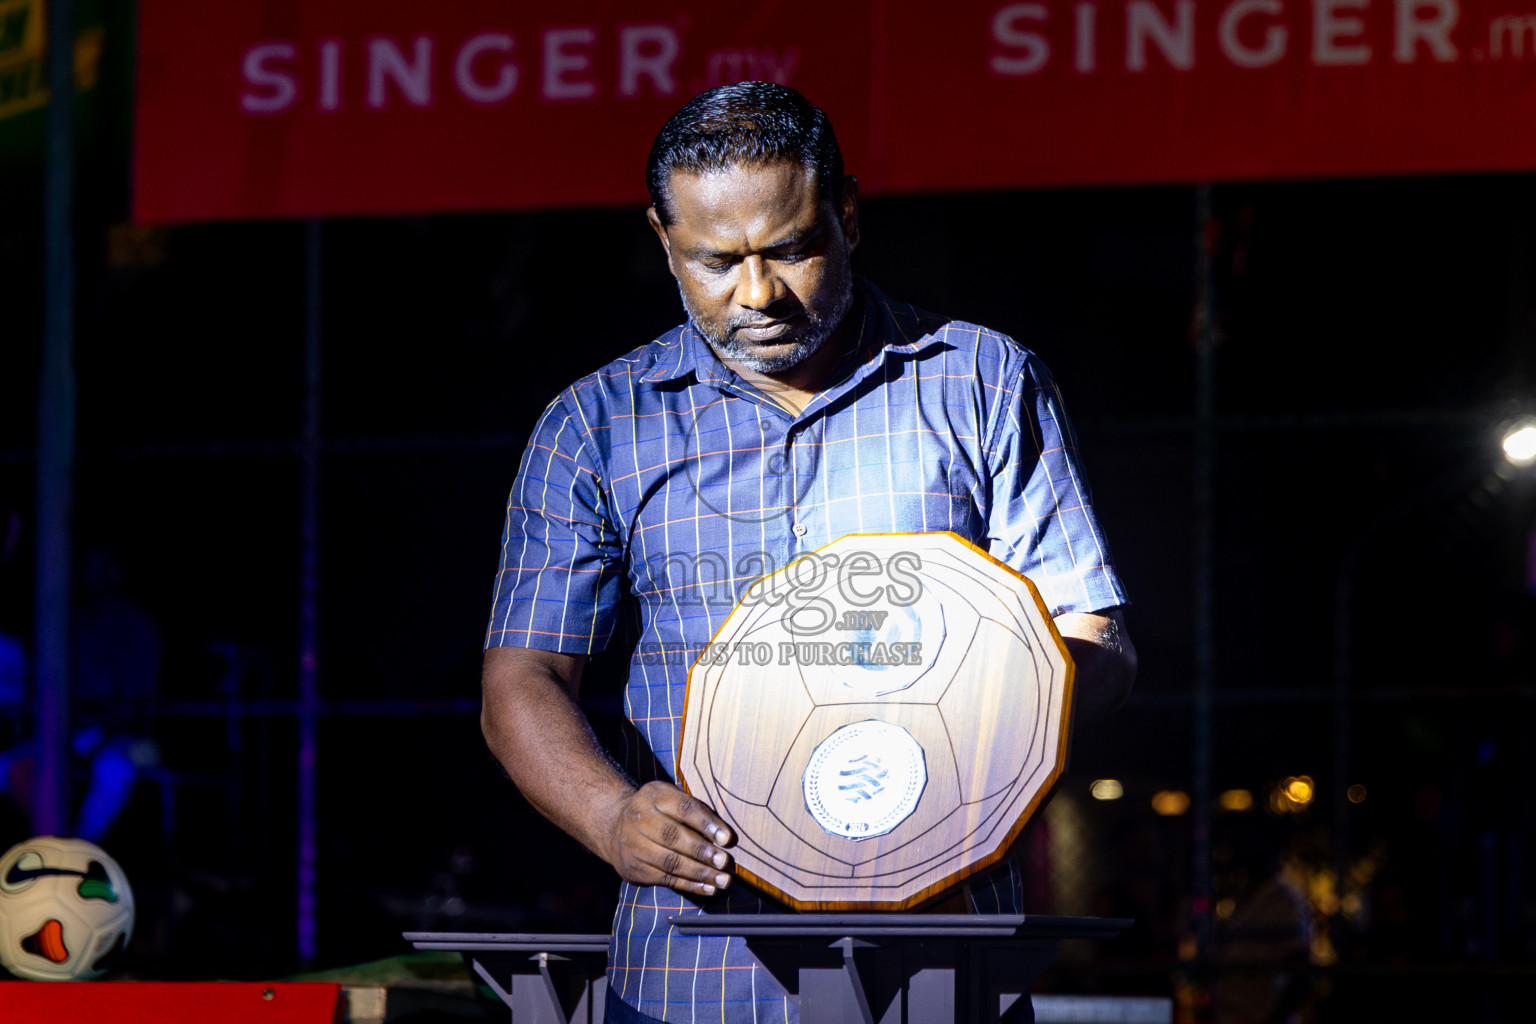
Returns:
(667, 484)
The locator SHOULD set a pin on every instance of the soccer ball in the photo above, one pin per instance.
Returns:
(65, 907)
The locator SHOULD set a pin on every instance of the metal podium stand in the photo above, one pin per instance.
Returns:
(901, 968)
(838, 968)
(545, 979)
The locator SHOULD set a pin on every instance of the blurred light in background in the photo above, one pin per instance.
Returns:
(1356, 794)
(1235, 800)
(1299, 789)
(1292, 795)
(1170, 803)
(1107, 789)
(1520, 444)
(1225, 907)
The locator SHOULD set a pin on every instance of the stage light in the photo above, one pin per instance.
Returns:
(1107, 789)
(1170, 803)
(1235, 800)
(1299, 789)
(1356, 794)
(1520, 445)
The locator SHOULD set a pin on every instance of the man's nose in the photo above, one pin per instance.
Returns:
(760, 286)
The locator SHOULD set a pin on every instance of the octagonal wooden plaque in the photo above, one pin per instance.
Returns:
(878, 720)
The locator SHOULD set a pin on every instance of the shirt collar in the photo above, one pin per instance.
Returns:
(688, 353)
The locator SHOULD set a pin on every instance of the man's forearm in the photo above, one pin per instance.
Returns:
(544, 741)
(652, 835)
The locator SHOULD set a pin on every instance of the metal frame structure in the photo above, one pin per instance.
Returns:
(838, 968)
(56, 432)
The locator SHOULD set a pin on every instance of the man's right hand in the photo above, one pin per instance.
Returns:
(663, 836)
(654, 835)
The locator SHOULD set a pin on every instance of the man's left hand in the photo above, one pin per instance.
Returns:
(1105, 659)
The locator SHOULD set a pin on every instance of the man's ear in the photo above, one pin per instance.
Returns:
(850, 211)
(661, 232)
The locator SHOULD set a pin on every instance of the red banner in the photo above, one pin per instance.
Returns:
(173, 1002)
(338, 107)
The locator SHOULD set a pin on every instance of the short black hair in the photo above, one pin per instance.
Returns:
(746, 124)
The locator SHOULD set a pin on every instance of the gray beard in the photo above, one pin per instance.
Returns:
(818, 330)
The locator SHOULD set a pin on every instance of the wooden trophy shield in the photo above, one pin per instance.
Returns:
(878, 720)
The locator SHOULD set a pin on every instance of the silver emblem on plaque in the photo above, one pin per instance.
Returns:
(864, 779)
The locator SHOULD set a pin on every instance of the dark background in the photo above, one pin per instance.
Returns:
(1375, 338)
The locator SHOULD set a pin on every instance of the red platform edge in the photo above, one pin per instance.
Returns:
(172, 1002)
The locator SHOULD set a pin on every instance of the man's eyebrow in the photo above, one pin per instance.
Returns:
(796, 239)
(792, 241)
(702, 252)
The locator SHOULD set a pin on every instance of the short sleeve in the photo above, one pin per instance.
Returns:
(1041, 519)
(560, 582)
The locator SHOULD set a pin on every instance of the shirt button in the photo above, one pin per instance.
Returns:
(800, 529)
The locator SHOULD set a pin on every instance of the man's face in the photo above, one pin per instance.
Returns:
(761, 260)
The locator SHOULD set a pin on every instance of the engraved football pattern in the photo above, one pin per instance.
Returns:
(878, 720)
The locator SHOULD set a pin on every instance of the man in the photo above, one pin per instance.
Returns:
(795, 406)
